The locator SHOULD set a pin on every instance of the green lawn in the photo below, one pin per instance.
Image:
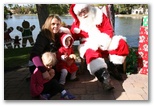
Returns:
(14, 58)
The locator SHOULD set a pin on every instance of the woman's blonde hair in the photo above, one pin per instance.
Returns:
(49, 58)
(47, 26)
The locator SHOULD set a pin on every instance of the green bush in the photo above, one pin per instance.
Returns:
(131, 61)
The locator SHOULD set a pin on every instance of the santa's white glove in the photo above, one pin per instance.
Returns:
(64, 30)
(77, 30)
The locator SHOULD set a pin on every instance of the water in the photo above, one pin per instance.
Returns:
(126, 26)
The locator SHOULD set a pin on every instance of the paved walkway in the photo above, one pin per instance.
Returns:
(134, 87)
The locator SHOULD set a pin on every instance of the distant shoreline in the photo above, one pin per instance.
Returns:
(130, 15)
(117, 15)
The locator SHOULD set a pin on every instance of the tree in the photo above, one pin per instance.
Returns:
(59, 9)
(10, 5)
(43, 13)
(44, 10)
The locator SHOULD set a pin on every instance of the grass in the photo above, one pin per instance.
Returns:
(15, 58)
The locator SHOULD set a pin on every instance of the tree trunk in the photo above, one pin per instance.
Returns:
(43, 13)
(113, 15)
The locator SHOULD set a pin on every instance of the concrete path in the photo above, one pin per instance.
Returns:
(134, 87)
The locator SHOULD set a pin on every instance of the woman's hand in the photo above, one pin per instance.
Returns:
(52, 73)
(72, 56)
(46, 75)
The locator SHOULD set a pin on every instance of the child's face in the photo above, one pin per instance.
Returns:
(68, 41)
(49, 66)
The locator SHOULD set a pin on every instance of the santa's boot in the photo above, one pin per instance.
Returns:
(114, 71)
(104, 77)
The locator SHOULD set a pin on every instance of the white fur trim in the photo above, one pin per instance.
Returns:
(95, 65)
(117, 59)
(82, 50)
(63, 41)
(77, 30)
(64, 30)
(62, 57)
(104, 10)
(103, 41)
(100, 40)
(115, 42)
(99, 18)
(90, 43)
(78, 7)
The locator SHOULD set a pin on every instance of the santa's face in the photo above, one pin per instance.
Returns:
(84, 12)
(86, 18)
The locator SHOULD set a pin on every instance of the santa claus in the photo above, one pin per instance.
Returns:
(93, 28)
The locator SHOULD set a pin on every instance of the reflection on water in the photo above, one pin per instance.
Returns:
(126, 26)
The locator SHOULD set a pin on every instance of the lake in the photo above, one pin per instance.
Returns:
(126, 26)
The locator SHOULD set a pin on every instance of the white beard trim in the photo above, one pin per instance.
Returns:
(94, 18)
(115, 42)
(95, 65)
(115, 59)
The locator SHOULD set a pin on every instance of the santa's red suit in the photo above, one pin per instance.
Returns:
(96, 35)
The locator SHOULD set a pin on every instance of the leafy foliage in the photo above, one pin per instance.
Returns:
(60, 9)
(131, 61)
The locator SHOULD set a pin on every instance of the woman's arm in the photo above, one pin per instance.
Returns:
(37, 50)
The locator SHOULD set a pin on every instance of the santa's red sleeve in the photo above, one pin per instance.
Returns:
(118, 49)
(122, 49)
(105, 26)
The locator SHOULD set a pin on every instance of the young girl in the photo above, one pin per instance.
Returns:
(66, 59)
(46, 88)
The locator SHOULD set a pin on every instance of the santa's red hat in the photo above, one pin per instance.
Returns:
(71, 11)
(78, 7)
(75, 9)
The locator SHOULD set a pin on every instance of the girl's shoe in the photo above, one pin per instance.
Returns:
(67, 96)
(44, 96)
(75, 79)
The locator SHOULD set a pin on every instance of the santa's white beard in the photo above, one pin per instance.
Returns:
(87, 23)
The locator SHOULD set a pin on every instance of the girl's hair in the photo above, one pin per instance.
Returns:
(49, 58)
(47, 26)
